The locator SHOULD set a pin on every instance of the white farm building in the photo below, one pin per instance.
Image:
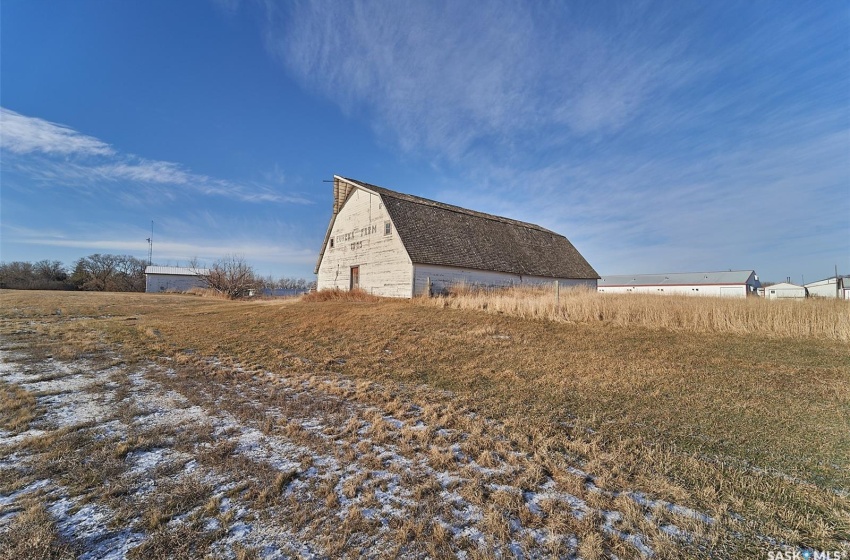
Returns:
(835, 287)
(732, 283)
(398, 245)
(173, 278)
(785, 290)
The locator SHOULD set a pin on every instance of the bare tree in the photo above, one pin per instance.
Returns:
(129, 274)
(50, 275)
(195, 264)
(231, 276)
(50, 270)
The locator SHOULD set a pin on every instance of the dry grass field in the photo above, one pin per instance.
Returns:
(815, 318)
(167, 426)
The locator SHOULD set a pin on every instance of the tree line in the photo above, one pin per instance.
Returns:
(285, 283)
(103, 273)
(231, 276)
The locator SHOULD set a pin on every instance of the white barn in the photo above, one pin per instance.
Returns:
(732, 283)
(784, 291)
(835, 287)
(173, 278)
(398, 245)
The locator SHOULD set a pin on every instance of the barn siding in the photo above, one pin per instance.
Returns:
(358, 239)
(443, 277)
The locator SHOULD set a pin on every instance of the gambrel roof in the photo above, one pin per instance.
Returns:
(441, 234)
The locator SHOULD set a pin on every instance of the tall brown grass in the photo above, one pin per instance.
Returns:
(816, 318)
(340, 295)
(206, 292)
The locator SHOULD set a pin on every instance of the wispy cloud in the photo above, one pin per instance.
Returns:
(775, 202)
(446, 76)
(25, 135)
(145, 172)
(54, 153)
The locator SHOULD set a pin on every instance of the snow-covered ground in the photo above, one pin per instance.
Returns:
(295, 467)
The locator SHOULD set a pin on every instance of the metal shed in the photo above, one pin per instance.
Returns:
(173, 278)
(785, 291)
(731, 283)
(834, 287)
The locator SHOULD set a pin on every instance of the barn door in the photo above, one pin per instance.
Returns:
(355, 277)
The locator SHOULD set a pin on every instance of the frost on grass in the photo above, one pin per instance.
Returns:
(285, 465)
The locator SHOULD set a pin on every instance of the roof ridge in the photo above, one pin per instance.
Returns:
(697, 272)
(449, 207)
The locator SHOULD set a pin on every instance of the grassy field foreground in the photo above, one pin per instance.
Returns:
(555, 438)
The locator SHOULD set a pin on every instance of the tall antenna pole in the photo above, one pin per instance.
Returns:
(150, 246)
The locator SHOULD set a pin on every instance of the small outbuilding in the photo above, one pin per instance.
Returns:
(173, 278)
(784, 290)
(732, 283)
(399, 245)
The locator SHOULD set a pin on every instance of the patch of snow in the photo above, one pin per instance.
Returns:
(419, 426)
(280, 454)
(394, 422)
(239, 530)
(642, 499)
(71, 409)
(675, 532)
(14, 440)
(13, 497)
(636, 540)
(148, 460)
(89, 526)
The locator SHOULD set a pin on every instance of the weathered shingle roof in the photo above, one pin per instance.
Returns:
(677, 278)
(441, 234)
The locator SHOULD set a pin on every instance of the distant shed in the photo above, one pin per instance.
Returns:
(732, 283)
(835, 287)
(173, 278)
(785, 291)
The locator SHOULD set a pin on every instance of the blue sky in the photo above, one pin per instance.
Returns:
(657, 136)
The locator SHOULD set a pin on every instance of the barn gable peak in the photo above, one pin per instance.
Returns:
(342, 190)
